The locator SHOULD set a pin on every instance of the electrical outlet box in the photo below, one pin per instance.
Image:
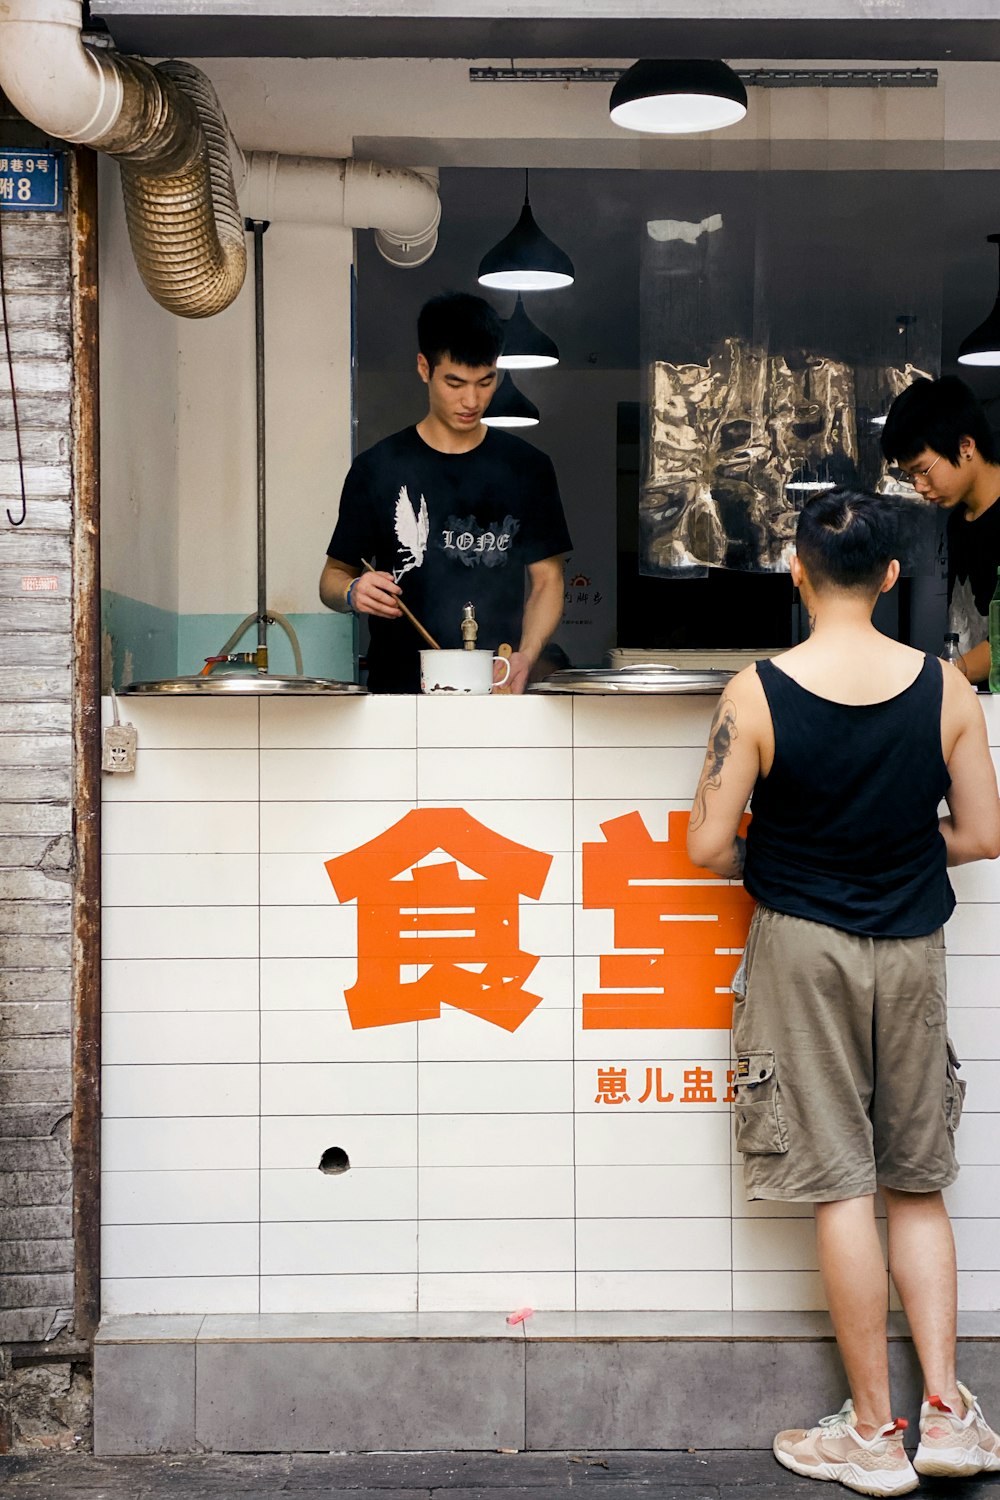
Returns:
(119, 747)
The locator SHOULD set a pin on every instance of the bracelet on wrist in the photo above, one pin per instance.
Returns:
(347, 596)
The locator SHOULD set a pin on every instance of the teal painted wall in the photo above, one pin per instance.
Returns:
(139, 641)
(326, 641)
(143, 643)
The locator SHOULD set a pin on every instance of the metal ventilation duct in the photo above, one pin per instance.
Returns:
(166, 128)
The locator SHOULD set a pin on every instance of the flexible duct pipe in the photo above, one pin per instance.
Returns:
(166, 127)
(400, 205)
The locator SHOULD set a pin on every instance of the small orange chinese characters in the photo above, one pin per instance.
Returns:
(664, 903)
(463, 931)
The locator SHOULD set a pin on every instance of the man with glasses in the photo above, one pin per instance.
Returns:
(938, 434)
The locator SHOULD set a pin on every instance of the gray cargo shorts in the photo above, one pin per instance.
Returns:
(845, 1076)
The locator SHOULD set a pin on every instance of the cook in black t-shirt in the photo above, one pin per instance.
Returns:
(448, 512)
(449, 527)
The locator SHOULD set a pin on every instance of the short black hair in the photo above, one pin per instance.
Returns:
(847, 538)
(460, 327)
(936, 414)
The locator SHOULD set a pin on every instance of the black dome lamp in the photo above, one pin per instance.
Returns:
(510, 407)
(526, 260)
(982, 345)
(678, 96)
(525, 346)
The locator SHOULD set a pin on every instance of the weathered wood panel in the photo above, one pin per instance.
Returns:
(35, 885)
(35, 1291)
(34, 984)
(43, 410)
(29, 852)
(25, 918)
(44, 513)
(21, 785)
(38, 1087)
(31, 1189)
(37, 758)
(24, 682)
(48, 717)
(32, 650)
(34, 749)
(41, 1223)
(30, 1018)
(36, 612)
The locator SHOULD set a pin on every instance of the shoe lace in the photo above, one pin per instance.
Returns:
(838, 1421)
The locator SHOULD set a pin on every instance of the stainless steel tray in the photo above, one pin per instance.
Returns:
(648, 678)
(246, 684)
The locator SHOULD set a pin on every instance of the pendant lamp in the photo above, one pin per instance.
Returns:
(526, 260)
(510, 407)
(678, 96)
(982, 345)
(525, 346)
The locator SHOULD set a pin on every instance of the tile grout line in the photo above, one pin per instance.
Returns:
(577, 896)
(260, 1031)
(416, 803)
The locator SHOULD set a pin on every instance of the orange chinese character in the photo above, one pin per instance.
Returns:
(464, 930)
(698, 1086)
(730, 1095)
(664, 903)
(661, 1097)
(611, 1085)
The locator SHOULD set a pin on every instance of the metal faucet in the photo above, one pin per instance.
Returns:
(470, 627)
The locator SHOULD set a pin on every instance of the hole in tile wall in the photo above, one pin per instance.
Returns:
(334, 1161)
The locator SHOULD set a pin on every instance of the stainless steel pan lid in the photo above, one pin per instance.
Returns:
(648, 678)
(249, 684)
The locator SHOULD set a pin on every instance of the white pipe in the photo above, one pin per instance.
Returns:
(400, 205)
(48, 74)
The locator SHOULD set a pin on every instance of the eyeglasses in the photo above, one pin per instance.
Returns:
(905, 477)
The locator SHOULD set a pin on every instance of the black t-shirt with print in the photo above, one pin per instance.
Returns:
(973, 559)
(450, 528)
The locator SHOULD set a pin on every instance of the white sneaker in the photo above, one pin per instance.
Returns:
(836, 1450)
(953, 1445)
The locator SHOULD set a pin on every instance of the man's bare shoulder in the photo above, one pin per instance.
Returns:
(745, 688)
(959, 700)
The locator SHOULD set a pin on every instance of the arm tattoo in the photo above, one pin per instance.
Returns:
(720, 743)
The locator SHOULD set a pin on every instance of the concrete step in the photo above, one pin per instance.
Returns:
(404, 1382)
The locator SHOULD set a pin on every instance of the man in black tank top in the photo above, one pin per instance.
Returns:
(846, 1081)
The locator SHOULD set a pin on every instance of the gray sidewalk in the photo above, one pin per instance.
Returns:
(713, 1475)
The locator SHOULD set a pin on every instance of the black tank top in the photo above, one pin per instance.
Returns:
(845, 825)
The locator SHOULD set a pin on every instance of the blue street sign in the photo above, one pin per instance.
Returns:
(31, 181)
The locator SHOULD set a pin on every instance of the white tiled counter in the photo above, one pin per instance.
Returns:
(538, 1147)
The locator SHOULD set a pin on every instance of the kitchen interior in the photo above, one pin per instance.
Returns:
(796, 239)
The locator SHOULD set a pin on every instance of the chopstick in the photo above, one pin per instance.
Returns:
(408, 613)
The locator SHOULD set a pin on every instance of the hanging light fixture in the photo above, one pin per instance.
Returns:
(526, 260)
(525, 346)
(510, 407)
(982, 345)
(678, 96)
